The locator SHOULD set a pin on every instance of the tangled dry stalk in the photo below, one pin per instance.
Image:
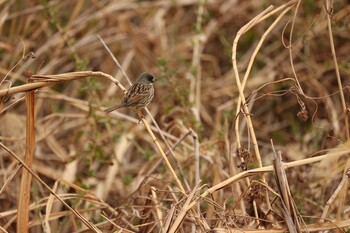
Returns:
(248, 131)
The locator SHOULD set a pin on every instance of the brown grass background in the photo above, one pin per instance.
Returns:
(106, 166)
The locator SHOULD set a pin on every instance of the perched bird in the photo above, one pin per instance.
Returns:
(139, 94)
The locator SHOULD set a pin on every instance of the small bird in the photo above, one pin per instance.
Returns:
(139, 94)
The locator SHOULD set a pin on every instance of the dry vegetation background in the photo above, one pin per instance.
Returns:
(108, 168)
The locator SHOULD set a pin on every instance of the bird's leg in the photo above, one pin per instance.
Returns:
(140, 115)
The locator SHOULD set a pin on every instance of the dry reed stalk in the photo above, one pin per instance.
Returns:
(242, 101)
(48, 80)
(340, 186)
(177, 142)
(14, 170)
(169, 147)
(329, 10)
(290, 47)
(169, 218)
(167, 163)
(48, 210)
(196, 68)
(157, 204)
(184, 211)
(24, 195)
(288, 205)
(197, 161)
(160, 150)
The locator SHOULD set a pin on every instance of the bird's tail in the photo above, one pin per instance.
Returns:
(111, 109)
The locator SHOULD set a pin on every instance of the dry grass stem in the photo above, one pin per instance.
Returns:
(287, 201)
(183, 212)
(291, 45)
(48, 80)
(161, 152)
(329, 10)
(26, 179)
(341, 185)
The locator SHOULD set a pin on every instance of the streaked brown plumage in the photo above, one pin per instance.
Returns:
(139, 94)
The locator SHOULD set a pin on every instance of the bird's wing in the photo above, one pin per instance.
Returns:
(136, 94)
